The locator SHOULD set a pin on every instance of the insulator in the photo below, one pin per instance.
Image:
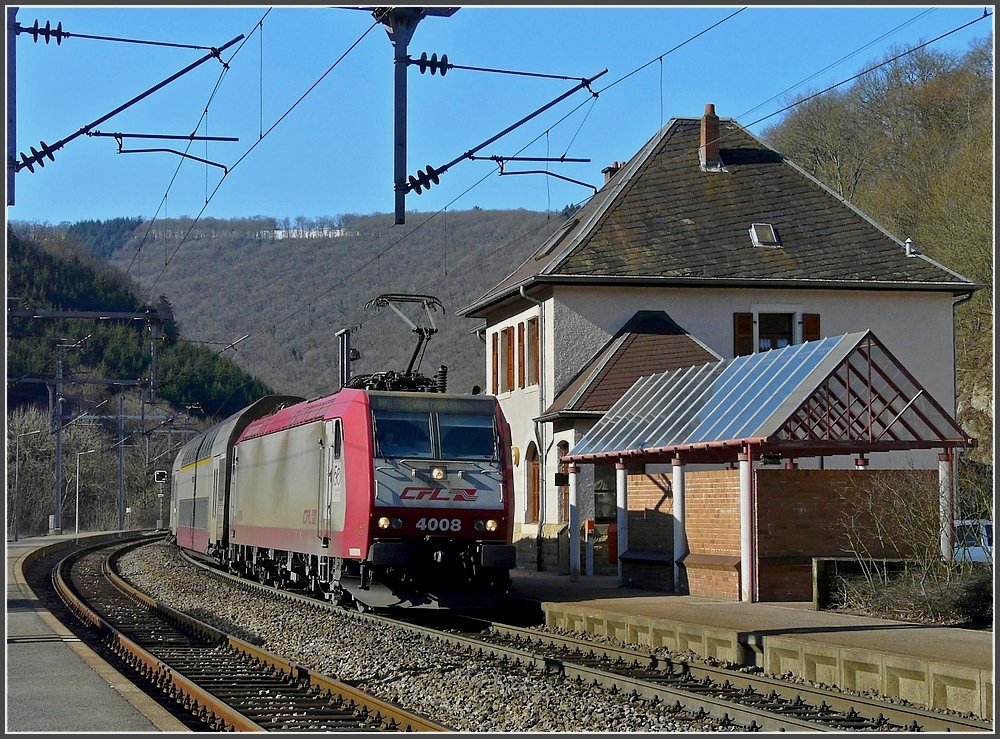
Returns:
(433, 63)
(37, 156)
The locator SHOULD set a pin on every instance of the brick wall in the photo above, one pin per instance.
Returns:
(800, 515)
(713, 531)
(651, 513)
(712, 513)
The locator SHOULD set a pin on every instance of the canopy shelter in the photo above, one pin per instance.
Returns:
(840, 395)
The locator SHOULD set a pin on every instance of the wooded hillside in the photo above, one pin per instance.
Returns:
(56, 273)
(291, 295)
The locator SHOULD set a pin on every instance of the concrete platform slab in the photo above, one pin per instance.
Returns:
(937, 666)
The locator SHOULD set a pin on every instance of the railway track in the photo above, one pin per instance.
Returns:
(757, 702)
(750, 702)
(226, 683)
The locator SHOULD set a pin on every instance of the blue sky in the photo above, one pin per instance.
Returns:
(331, 153)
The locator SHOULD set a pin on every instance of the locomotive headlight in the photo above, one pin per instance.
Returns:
(384, 523)
(479, 525)
(437, 473)
(491, 525)
(397, 523)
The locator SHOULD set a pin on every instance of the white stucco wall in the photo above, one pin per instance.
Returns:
(917, 327)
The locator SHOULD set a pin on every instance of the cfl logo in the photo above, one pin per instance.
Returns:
(462, 495)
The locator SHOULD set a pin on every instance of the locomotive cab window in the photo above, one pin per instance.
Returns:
(403, 434)
(467, 436)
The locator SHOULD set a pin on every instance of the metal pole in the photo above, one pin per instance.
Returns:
(680, 535)
(402, 23)
(345, 356)
(621, 500)
(121, 460)
(11, 103)
(76, 519)
(747, 574)
(78, 455)
(57, 514)
(17, 459)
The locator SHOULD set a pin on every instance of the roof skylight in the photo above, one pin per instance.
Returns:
(764, 234)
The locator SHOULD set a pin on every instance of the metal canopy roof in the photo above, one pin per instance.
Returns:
(836, 395)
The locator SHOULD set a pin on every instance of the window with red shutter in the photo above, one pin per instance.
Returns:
(520, 355)
(532, 352)
(496, 362)
(810, 327)
(742, 334)
(508, 341)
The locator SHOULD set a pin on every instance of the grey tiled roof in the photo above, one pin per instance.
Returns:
(650, 342)
(663, 219)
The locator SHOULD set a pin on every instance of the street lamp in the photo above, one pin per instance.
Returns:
(17, 458)
(78, 455)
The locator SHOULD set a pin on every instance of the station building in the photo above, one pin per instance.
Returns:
(704, 247)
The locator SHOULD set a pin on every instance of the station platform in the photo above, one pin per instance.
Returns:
(939, 667)
(54, 683)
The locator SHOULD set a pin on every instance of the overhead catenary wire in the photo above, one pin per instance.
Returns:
(606, 88)
(834, 86)
(163, 201)
(59, 34)
(377, 258)
(257, 143)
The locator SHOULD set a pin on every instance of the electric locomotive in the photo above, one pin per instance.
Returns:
(372, 496)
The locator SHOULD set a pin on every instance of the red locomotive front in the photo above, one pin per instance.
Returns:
(442, 510)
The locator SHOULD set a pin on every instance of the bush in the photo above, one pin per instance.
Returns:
(965, 599)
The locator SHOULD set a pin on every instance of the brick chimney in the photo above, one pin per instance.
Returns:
(610, 170)
(708, 152)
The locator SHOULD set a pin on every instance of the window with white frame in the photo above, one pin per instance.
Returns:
(772, 327)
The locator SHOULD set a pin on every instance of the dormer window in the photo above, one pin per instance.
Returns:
(764, 234)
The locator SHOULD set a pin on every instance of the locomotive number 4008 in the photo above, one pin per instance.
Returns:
(439, 524)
